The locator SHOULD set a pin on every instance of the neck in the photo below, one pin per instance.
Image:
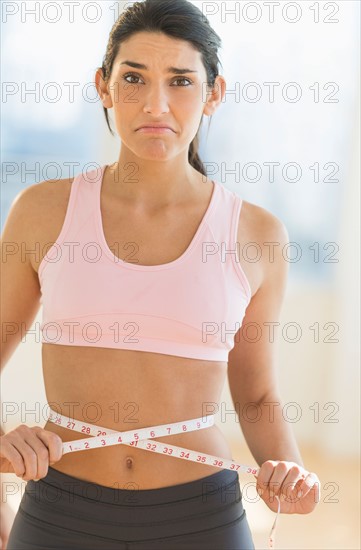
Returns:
(152, 182)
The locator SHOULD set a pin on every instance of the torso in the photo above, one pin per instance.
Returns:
(133, 389)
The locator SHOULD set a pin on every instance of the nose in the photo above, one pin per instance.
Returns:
(156, 101)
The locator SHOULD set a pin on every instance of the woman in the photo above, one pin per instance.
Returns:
(143, 302)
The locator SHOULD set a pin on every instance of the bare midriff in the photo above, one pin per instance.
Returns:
(125, 390)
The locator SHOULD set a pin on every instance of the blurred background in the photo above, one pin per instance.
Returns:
(286, 138)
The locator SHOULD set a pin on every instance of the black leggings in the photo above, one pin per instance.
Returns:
(63, 512)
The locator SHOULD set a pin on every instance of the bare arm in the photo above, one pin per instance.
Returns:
(19, 304)
(20, 289)
(252, 362)
(283, 482)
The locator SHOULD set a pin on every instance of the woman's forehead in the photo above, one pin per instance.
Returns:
(146, 48)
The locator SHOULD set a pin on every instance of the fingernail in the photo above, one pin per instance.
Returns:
(260, 492)
(299, 494)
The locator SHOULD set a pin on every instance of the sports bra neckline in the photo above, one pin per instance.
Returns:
(121, 263)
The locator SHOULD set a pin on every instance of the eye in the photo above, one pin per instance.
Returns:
(184, 79)
(133, 75)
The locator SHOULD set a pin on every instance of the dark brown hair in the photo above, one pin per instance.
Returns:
(178, 19)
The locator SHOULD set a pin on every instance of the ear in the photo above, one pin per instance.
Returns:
(102, 89)
(215, 96)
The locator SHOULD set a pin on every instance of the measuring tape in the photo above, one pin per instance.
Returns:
(105, 437)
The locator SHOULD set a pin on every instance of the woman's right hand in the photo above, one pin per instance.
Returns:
(28, 451)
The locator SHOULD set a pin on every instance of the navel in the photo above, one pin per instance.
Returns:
(129, 462)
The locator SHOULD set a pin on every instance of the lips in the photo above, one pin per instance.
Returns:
(156, 126)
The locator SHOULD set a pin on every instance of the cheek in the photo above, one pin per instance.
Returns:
(187, 109)
(190, 101)
(125, 95)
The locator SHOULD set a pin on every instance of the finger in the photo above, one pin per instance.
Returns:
(11, 454)
(28, 456)
(48, 449)
(295, 475)
(264, 476)
(41, 462)
(311, 481)
(53, 443)
(35, 453)
(280, 473)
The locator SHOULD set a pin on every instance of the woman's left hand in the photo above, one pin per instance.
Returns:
(298, 489)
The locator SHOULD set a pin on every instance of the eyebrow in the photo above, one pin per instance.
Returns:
(173, 70)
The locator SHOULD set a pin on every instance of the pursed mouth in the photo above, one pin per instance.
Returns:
(155, 129)
(150, 127)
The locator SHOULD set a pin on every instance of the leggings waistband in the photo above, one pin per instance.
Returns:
(59, 499)
(56, 483)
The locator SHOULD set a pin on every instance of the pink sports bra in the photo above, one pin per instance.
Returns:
(190, 307)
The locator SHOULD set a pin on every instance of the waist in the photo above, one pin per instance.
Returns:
(143, 439)
(105, 436)
(144, 463)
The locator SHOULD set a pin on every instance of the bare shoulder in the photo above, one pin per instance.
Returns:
(261, 224)
(39, 194)
(259, 233)
(41, 210)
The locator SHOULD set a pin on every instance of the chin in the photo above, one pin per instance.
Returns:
(155, 151)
